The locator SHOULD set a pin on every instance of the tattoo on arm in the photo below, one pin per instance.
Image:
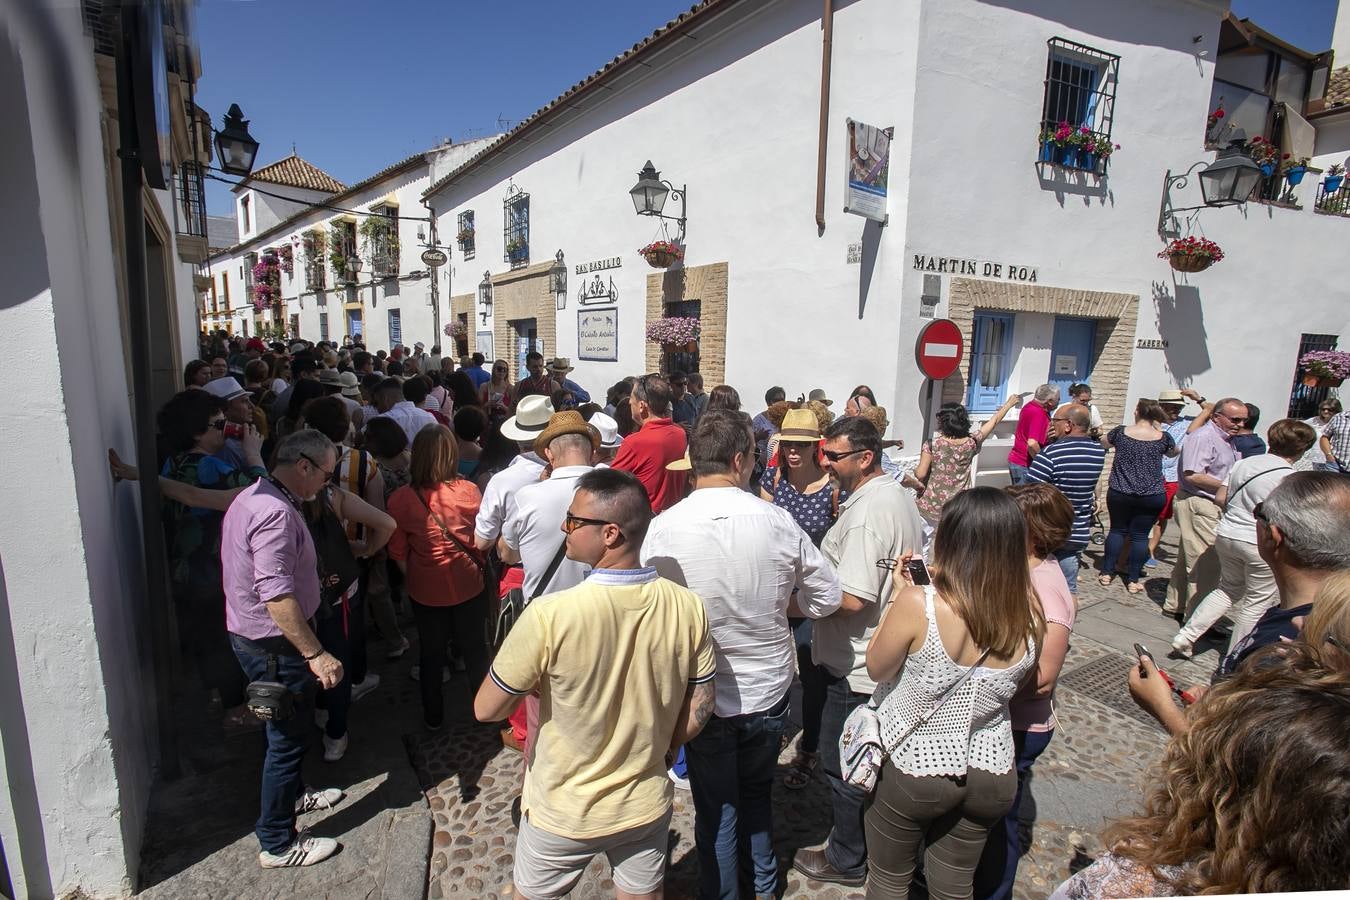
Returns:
(702, 702)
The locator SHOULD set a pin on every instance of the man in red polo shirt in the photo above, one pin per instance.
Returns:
(657, 441)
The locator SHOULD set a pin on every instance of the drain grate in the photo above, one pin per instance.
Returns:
(1104, 679)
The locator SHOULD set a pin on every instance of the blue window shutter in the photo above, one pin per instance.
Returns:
(990, 361)
(395, 327)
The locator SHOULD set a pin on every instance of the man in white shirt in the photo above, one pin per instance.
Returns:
(391, 404)
(877, 525)
(532, 534)
(752, 566)
(530, 420)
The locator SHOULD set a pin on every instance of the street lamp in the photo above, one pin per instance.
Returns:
(557, 279)
(1227, 181)
(235, 147)
(650, 193)
(485, 297)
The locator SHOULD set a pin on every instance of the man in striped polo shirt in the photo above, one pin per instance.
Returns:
(1072, 463)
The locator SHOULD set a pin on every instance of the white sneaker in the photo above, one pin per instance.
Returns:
(397, 650)
(325, 798)
(365, 686)
(1182, 647)
(303, 851)
(320, 718)
(333, 750)
(415, 673)
(679, 781)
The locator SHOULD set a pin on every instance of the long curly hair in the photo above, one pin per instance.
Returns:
(1255, 795)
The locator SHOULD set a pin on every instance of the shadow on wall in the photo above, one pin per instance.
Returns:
(871, 243)
(1181, 322)
(1064, 182)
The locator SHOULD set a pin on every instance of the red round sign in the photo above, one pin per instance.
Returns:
(939, 349)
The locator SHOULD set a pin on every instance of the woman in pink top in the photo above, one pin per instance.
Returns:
(1049, 518)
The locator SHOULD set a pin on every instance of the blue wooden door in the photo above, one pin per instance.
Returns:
(1071, 353)
(990, 361)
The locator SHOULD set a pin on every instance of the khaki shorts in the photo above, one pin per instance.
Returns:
(548, 865)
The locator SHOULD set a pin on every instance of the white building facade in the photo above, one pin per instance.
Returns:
(1050, 271)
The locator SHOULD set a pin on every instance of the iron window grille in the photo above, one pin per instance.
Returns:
(249, 288)
(1304, 399)
(384, 244)
(192, 195)
(344, 245)
(323, 326)
(1080, 91)
(313, 244)
(516, 227)
(464, 233)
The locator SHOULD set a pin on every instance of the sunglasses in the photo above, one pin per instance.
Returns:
(327, 473)
(1240, 420)
(835, 455)
(572, 523)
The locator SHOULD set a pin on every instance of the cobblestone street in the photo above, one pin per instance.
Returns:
(1090, 773)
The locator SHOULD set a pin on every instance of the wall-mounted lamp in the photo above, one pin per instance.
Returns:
(557, 279)
(650, 193)
(1227, 181)
(235, 147)
(485, 297)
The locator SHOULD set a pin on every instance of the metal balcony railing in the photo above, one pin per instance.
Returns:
(192, 200)
(1333, 203)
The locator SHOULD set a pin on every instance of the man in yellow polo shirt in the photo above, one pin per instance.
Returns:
(623, 664)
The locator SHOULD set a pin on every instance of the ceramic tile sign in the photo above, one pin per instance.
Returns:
(598, 335)
(869, 160)
(483, 343)
(1066, 365)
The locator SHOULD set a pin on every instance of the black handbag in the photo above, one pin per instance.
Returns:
(513, 604)
(269, 699)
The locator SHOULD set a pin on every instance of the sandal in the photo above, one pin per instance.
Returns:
(1134, 587)
(801, 772)
(1104, 580)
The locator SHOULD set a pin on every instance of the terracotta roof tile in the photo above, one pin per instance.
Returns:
(1338, 87)
(632, 54)
(298, 173)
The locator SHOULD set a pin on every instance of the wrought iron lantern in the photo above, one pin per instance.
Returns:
(485, 297)
(235, 147)
(557, 279)
(650, 193)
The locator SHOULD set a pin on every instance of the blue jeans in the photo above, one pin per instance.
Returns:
(1132, 518)
(847, 846)
(287, 742)
(731, 769)
(1003, 850)
(1068, 564)
(1018, 474)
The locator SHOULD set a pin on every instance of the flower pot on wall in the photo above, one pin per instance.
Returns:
(1186, 262)
(1332, 183)
(1321, 381)
(1068, 157)
(1267, 169)
(1087, 161)
(660, 259)
(1295, 175)
(1047, 151)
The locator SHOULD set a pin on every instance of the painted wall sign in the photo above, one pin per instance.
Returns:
(596, 292)
(596, 265)
(483, 343)
(598, 334)
(869, 160)
(976, 268)
(1150, 344)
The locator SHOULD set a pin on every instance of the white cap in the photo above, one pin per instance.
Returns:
(225, 388)
(608, 428)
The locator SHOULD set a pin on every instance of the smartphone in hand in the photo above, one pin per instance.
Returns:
(1141, 651)
(918, 572)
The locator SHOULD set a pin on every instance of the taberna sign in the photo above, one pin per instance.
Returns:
(974, 268)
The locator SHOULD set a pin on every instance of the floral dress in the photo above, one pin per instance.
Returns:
(948, 475)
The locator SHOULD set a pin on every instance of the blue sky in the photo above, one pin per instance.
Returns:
(358, 84)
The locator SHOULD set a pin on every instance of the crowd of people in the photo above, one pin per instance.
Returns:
(633, 588)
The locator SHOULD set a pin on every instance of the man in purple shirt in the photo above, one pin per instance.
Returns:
(1033, 425)
(1206, 457)
(271, 586)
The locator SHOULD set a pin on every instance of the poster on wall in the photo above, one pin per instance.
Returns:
(483, 343)
(869, 159)
(598, 335)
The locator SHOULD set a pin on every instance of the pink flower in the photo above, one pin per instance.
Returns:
(1218, 113)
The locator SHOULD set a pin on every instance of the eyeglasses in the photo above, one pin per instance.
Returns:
(835, 456)
(572, 523)
(216, 423)
(327, 473)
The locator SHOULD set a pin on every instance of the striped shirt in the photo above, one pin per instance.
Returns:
(1337, 434)
(1072, 464)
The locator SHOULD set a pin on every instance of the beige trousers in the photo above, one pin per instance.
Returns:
(1196, 571)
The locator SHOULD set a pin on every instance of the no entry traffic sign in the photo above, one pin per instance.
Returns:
(939, 349)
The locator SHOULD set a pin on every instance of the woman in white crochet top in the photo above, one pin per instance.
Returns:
(973, 634)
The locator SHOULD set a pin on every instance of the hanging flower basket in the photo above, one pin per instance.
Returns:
(1325, 368)
(675, 332)
(662, 254)
(1191, 254)
(456, 329)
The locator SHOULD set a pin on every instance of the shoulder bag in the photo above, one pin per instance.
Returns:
(860, 749)
(483, 562)
(513, 604)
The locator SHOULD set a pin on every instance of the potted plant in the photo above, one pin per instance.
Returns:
(1212, 123)
(287, 256)
(1295, 169)
(266, 280)
(1325, 368)
(675, 332)
(662, 254)
(1335, 175)
(456, 329)
(464, 237)
(1066, 145)
(1096, 150)
(1264, 154)
(1191, 254)
(516, 249)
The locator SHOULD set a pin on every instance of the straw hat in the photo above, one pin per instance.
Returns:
(569, 421)
(351, 387)
(530, 420)
(1172, 396)
(562, 365)
(800, 425)
(680, 465)
(818, 395)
